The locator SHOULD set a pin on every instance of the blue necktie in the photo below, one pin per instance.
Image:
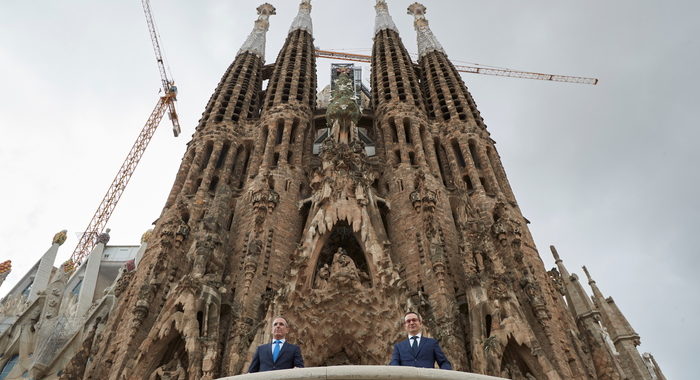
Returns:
(414, 344)
(276, 350)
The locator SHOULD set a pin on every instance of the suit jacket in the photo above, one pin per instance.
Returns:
(428, 353)
(290, 357)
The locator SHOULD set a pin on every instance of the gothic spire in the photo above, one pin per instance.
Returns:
(615, 321)
(383, 20)
(255, 44)
(427, 41)
(576, 296)
(303, 19)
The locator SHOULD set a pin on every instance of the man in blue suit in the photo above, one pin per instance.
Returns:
(279, 354)
(418, 350)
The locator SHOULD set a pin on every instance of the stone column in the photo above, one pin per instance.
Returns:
(92, 270)
(43, 273)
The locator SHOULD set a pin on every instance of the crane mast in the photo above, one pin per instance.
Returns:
(470, 69)
(99, 220)
(167, 83)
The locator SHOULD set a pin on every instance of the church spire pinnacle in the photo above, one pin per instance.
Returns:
(427, 41)
(383, 20)
(303, 19)
(255, 43)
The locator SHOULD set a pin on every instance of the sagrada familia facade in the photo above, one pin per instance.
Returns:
(341, 217)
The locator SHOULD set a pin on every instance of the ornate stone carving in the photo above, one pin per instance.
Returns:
(383, 19)
(60, 237)
(264, 199)
(555, 276)
(103, 238)
(303, 19)
(255, 44)
(344, 273)
(535, 295)
(173, 370)
(426, 40)
(146, 236)
(507, 228)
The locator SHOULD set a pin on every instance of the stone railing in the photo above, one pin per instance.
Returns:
(362, 372)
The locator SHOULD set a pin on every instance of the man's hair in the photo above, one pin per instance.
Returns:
(420, 319)
(286, 322)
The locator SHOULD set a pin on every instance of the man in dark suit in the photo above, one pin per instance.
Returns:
(279, 354)
(418, 350)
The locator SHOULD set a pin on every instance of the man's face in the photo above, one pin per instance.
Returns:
(279, 328)
(412, 324)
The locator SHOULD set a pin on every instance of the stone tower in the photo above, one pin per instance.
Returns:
(258, 225)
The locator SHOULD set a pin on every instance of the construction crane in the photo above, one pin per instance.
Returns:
(166, 102)
(469, 69)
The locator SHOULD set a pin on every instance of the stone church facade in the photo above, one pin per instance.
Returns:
(280, 208)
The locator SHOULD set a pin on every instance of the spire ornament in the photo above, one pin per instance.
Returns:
(427, 42)
(383, 20)
(60, 237)
(255, 44)
(303, 19)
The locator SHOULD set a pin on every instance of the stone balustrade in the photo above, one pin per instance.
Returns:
(362, 372)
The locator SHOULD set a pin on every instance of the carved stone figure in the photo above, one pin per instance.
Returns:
(172, 370)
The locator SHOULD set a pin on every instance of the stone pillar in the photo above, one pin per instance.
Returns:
(43, 273)
(142, 249)
(92, 270)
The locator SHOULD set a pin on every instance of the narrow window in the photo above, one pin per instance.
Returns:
(280, 131)
(458, 153)
(230, 222)
(412, 158)
(245, 167)
(475, 156)
(293, 135)
(213, 184)
(484, 184)
(222, 155)
(407, 131)
(394, 132)
(207, 155)
(468, 181)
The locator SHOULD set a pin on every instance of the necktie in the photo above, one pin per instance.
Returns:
(414, 344)
(276, 350)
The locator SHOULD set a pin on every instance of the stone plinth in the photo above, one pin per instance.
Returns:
(362, 372)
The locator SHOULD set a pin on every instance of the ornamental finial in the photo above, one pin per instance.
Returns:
(103, 238)
(146, 235)
(590, 279)
(255, 44)
(60, 237)
(303, 19)
(427, 41)
(383, 19)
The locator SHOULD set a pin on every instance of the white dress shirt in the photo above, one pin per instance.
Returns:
(410, 341)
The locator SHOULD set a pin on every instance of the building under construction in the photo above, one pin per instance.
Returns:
(356, 206)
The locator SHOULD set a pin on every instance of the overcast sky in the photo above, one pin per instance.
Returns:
(606, 173)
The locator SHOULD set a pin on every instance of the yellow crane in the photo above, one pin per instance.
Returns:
(166, 102)
(469, 69)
